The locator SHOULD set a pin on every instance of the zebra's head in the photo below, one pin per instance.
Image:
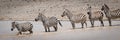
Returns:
(104, 7)
(13, 25)
(39, 17)
(64, 13)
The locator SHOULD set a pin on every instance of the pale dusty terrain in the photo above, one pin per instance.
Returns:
(64, 33)
(29, 9)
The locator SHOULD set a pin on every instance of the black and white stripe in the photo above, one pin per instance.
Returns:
(22, 27)
(98, 15)
(48, 22)
(79, 18)
(110, 14)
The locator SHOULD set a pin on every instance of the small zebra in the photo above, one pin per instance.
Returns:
(48, 22)
(80, 18)
(98, 15)
(22, 27)
(110, 14)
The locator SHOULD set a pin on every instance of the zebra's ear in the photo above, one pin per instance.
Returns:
(104, 4)
(40, 14)
(64, 9)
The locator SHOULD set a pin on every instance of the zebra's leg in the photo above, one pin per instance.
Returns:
(101, 22)
(30, 31)
(48, 29)
(92, 23)
(55, 27)
(73, 25)
(109, 19)
(82, 24)
(45, 28)
(86, 24)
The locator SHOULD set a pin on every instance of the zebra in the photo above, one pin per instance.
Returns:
(80, 18)
(22, 27)
(110, 14)
(97, 15)
(48, 22)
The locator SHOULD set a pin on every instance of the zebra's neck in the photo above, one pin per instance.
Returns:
(107, 12)
(43, 18)
(69, 15)
(90, 14)
(90, 11)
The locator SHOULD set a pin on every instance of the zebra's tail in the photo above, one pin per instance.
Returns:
(60, 23)
(31, 26)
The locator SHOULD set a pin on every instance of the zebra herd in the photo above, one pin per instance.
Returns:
(79, 18)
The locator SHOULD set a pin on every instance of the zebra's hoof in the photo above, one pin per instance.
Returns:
(73, 28)
(48, 31)
(92, 26)
(55, 30)
(82, 27)
(110, 25)
(45, 31)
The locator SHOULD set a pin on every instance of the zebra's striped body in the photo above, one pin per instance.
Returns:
(22, 27)
(110, 14)
(80, 18)
(98, 15)
(48, 22)
(115, 14)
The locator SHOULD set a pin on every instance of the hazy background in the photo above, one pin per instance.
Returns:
(29, 9)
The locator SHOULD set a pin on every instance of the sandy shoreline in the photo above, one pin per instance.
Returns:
(64, 33)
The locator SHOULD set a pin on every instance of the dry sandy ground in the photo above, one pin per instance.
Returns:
(64, 33)
(29, 9)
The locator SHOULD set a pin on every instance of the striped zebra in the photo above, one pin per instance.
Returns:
(110, 14)
(22, 27)
(48, 22)
(97, 15)
(80, 18)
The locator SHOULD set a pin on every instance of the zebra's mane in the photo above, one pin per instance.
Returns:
(106, 6)
(68, 11)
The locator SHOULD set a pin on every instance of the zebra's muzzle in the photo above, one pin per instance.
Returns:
(11, 29)
(36, 20)
(62, 15)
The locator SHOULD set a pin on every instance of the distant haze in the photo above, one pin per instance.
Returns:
(29, 9)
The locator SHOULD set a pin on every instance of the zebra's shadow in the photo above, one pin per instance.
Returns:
(23, 34)
(116, 25)
(77, 28)
(53, 31)
(50, 31)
